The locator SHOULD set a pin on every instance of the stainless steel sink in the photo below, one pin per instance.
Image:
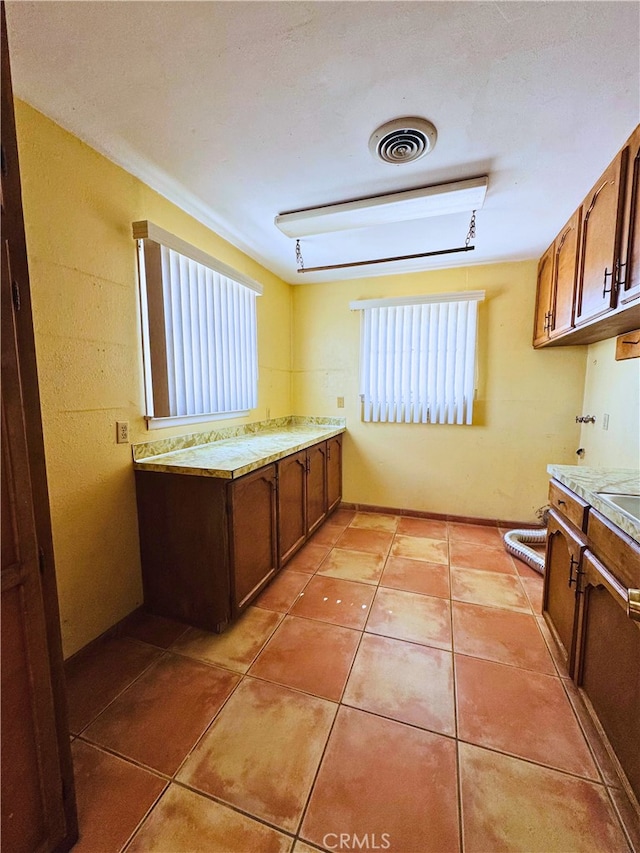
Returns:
(629, 504)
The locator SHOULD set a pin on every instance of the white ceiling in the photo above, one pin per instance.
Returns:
(238, 111)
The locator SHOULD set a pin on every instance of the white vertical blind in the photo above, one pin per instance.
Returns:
(417, 361)
(211, 338)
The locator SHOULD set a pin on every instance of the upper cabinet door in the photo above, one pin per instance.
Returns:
(601, 221)
(543, 298)
(565, 270)
(629, 272)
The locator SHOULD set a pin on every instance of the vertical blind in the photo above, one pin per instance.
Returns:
(418, 358)
(211, 338)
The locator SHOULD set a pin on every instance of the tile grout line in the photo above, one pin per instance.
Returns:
(455, 712)
(152, 663)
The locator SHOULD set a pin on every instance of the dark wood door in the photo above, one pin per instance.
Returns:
(600, 232)
(629, 272)
(607, 664)
(334, 472)
(38, 807)
(292, 505)
(253, 534)
(565, 271)
(316, 485)
(561, 579)
(543, 298)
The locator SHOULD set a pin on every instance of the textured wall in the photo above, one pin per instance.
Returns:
(524, 415)
(611, 387)
(78, 212)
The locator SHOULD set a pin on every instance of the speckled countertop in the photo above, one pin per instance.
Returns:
(587, 482)
(220, 454)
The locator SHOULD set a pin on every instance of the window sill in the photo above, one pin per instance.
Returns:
(185, 420)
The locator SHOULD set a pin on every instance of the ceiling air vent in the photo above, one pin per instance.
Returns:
(403, 140)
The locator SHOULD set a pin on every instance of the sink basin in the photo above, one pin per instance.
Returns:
(629, 504)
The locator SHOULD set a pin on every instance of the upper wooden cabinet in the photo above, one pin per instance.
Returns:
(628, 279)
(557, 283)
(589, 278)
(544, 298)
(599, 246)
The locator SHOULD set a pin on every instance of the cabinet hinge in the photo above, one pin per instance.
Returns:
(41, 560)
(15, 292)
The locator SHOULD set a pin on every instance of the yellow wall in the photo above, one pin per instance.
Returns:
(525, 408)
(611, 387)
(78, 209)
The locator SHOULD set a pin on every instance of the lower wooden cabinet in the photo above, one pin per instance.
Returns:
(184, 547)
(253, 559)
(562, 571)
(210, 545)
(334, 472)
(292, 504)
(316, 486)
(608, 663)
(590, 576)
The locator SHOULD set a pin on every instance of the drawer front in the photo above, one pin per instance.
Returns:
(568, 504)
(618, 551)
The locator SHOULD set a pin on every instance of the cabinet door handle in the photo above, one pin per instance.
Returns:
(574, 564)
(633, 604)
(607, 275)
(619, 280)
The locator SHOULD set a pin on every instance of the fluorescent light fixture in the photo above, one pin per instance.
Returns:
(439, 200)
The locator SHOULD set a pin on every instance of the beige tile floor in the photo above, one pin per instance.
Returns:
(394, 688)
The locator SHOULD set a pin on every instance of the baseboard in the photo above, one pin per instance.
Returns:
(436, 516)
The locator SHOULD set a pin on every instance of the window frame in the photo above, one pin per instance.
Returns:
(394, 369)
(150, 240)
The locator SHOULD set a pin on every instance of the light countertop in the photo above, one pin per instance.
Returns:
(232, 456)
(587, 482)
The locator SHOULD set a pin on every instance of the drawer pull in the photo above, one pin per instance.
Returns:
(562, 503)
(633, 604)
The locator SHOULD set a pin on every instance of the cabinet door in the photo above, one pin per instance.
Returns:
(334, 472)
(292, 504)
(607, 664)
(543, 298)
(561, 581)
(629, 273)
(316, 485)
(601, 226)
(565, 271)
(253, 534)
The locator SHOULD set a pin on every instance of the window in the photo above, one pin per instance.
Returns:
(199, 332)
(418, 358)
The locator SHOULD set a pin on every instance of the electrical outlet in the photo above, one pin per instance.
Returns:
(341, 402)
(605, 421)
(122, 432)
